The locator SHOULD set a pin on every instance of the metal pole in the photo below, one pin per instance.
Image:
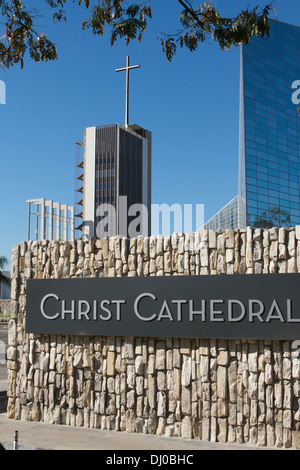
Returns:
(64, 208)
(16, 440)
(127, 94)
(42, 236)
(57, 220)
(29, 208)
(37, 222)
(72, 230)
(50, 225)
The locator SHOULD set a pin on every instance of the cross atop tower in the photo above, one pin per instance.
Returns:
(127, 68)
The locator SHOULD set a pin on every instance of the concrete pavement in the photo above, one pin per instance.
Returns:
(41, 436)
(52, 437)
(3, 383)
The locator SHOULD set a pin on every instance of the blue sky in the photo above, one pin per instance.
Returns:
(191, 106)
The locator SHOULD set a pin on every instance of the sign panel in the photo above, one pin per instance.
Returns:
(256, 306)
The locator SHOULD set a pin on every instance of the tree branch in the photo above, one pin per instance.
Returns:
(191, 12)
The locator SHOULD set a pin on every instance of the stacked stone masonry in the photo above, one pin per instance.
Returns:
(6, 306)
(237, 391)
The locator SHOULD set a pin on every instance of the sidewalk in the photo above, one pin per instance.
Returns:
(3, 385)
(41, 436)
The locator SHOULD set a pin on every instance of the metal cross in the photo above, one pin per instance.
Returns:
(127, 68)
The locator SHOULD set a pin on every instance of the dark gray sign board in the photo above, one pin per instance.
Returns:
(255, 306)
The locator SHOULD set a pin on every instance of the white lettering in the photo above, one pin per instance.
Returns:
(289, 313)
(193, 312)
(109, 315)
(2, 92)
(141, 221)
(136, 305)
(165, 211)
(165, 308)
(65, 312)
(179, 303)
(295, 95)
(117, 460)
(253, 314)
(123, 221)
(214, 312)
(42, 307)
(95, 308)
(107, 225)
(231, 318)
(81, 312)
(118, 302)
(172, 459)
(277, 315)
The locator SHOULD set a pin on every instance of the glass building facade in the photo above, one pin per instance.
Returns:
(269, 167)
(229, 216)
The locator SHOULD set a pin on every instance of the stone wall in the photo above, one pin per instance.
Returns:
(6, 306)
(242, 391)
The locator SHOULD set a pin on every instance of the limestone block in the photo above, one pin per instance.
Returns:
(222, 382)
(186, 400)
(161, 404)
(229, 238)
(110, 365)
(212, 239)
(12, 333)
(151, 392)
(152, 247)
(221, 244)
(186, 371)
(160, 355)
(167, 262)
